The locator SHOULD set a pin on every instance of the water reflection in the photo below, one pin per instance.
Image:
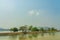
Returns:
(13, 37)
(29, 36)
(22, 37)
(42, 34)
(52, 33)
(34, 35)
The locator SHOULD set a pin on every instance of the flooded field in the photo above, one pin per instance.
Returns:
(41, 36)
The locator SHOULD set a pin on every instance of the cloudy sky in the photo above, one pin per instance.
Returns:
(14, 13)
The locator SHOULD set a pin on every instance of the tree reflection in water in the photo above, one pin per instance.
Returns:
(13, 37)
(34, 35)
(42, 34)
(23, 37)
(52, 33)
(29, 36)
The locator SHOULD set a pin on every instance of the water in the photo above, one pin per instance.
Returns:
(41, 36)
(4, 31)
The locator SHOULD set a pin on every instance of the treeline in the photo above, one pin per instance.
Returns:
(33, 29)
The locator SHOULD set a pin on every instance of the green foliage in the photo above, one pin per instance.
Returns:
(42, 29)
(34, 29)
(30, 27)
(49, 29)
(23, 28)
(14, 29)
(53, 29)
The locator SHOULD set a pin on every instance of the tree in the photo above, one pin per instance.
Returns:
(42, 29)
(30, 27)
(49, 29)
(23, 28)
(14, 29)
(35, 29)
(52, 29)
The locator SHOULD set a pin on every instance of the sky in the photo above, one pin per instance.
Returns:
(15, 13)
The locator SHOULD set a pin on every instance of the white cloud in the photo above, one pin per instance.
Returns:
(37, 13)
(33, 12)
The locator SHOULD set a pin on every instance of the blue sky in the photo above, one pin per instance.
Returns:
(14, 13)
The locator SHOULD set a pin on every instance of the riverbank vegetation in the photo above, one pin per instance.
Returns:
(31, 28)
